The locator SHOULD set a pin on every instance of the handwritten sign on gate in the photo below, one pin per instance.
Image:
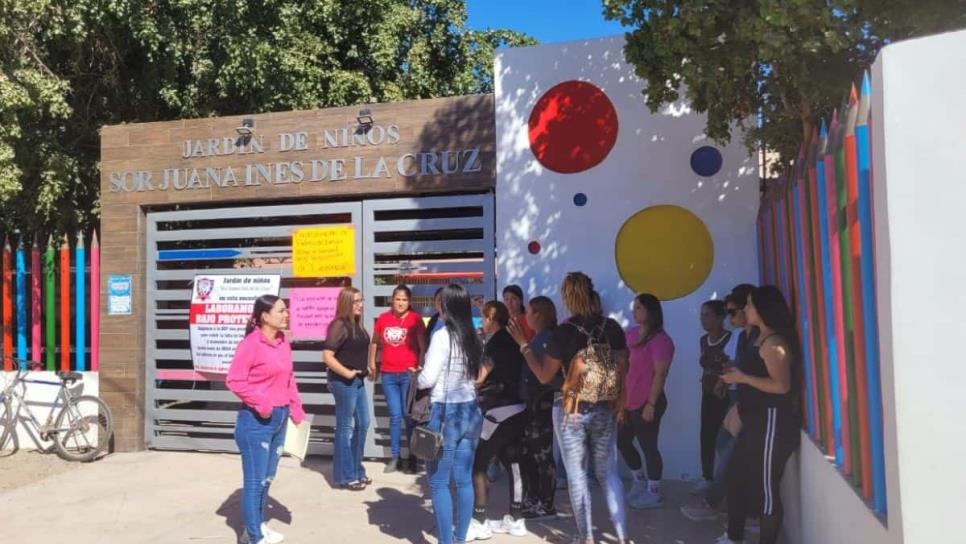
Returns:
(311, 309)
(324, 252)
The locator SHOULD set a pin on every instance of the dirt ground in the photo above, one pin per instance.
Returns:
(27, 467)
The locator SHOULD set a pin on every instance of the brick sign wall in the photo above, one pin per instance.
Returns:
(417, 147)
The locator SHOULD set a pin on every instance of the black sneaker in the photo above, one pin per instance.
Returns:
(538, 512)
(409, 465)
(391, 466)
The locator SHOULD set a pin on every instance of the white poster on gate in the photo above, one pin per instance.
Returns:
(221, 306)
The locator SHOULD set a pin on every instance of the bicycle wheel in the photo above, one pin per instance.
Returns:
(9, 443)
(83, 429)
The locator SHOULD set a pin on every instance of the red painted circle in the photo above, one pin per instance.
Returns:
(533, 247)
(572, 127)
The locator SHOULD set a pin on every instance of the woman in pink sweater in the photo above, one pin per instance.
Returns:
(261, 375)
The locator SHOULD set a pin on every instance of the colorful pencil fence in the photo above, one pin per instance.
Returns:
(44, 292)
(817, 243)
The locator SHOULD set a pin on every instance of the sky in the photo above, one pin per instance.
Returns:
(546, 20)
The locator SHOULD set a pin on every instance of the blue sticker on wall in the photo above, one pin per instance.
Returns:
(580, 199)
(706, 161)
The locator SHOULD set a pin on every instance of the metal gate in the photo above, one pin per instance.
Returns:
(426, 242)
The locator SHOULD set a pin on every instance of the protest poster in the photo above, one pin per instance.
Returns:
(221, 306)
(324, 252)
(311, 309)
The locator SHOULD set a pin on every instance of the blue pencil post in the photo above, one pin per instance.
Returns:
(813, 423)
(21, 303)
(869, 307)
(80, 313)
(827, 298)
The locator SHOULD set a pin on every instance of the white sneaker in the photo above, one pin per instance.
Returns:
(723, 539)
(478, 531)
(637, 489)
(508, 525)
(701, 487)
(646, 500)
(271, 536)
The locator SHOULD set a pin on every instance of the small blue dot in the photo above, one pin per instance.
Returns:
(706, 161)
(580, 199)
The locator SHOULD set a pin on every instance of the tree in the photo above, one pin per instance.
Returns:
(69, 67)
(770, 68)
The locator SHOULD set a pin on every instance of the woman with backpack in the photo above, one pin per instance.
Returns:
(401, 337)
(586, 413)
(651, 351)
(768, 403)
(451, 369)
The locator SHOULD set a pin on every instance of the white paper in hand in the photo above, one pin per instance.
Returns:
(297, 437)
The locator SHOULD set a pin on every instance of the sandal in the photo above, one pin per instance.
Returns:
(357, 485)
(365, 480)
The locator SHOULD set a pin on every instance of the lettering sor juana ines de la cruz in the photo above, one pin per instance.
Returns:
(424, 163)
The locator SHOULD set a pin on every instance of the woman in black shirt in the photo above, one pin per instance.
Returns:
(591, 433)
(346, 355)
(768, 386)
(504, 421)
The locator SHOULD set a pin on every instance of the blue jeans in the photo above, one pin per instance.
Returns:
(351, 425)
(260, 443)
(591, 434)
(395, 386)
(461, 434)
(724, 445)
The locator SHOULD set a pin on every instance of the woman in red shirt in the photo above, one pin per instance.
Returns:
(401, 335)
(261, 376)
(513, 298)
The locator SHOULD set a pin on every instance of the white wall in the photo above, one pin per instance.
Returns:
(919, 148)
(648, 165)
(821, 506)
(918, 151)
(40, 400)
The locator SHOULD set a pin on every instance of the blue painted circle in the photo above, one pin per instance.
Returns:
(706, 161)
(580, 199)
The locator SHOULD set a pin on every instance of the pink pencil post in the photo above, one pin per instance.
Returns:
(95, 303)
(35, 301)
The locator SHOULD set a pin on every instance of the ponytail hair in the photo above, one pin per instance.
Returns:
(263, 304)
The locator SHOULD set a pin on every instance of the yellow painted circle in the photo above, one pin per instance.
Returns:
(664, 250)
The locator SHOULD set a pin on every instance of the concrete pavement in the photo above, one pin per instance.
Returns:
(175, 497)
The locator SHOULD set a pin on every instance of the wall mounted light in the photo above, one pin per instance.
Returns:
(364, 118)
(247, 127)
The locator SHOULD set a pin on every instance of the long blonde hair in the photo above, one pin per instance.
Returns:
(579, 296)
(345, 310)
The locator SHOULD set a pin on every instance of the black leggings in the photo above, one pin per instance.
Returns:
(713, 411)
(505, 444)
(767, 439)
(539, 470)
(646, 434)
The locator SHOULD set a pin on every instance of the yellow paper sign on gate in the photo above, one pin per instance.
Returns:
(324, 252)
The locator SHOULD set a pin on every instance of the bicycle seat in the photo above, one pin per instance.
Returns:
(70, 376)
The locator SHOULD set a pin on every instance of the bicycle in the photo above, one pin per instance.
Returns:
(80, 427)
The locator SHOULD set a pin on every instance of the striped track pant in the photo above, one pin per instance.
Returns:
(767, 439)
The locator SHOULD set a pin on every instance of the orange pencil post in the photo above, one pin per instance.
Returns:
(852, 219)
(7, 307)
(65, 305)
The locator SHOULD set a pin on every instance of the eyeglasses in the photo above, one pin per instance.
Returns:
(359, 301)
(733, 311)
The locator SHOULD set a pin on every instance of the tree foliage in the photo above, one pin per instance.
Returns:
(768, 67)
(68, 67)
